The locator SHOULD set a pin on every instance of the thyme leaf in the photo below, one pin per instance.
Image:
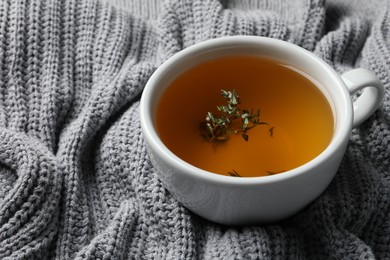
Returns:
(219, 127)
(234, 174)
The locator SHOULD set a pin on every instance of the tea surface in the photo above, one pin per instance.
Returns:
(300, 119)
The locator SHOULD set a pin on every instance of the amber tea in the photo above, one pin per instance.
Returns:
(294, 119)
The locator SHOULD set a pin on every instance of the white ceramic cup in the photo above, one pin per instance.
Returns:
(254, 200)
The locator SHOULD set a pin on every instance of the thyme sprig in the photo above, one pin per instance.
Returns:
(219, 127)
(273, 172)
(234, 173)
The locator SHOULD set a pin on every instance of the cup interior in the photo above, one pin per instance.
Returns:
(324, 77)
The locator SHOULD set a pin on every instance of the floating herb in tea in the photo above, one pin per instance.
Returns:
(219, 127)
(271, 131)
(272, 172)
(234, 174)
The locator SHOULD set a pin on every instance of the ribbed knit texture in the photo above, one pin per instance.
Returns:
(75, 178)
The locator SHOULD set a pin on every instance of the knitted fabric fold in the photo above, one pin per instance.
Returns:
(76, 181)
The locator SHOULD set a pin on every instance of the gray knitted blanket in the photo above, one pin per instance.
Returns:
(75, 179)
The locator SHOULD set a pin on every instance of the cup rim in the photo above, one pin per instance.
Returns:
(155, 143)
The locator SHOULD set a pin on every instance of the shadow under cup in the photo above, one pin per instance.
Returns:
(237, 201)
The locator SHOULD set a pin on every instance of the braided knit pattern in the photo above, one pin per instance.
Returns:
(75, 178)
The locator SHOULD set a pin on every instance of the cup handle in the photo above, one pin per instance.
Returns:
(365, 105)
